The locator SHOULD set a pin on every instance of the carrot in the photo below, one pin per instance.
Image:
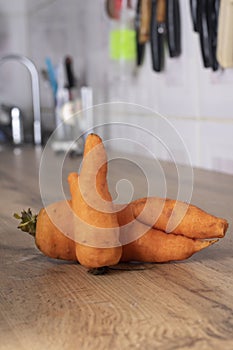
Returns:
(52, 230)
(54, 234)
(95, 241)
(96, 226)
(158, 246)
(178, 218)
(146, 244)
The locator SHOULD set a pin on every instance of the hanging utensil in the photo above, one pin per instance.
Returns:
(140, 47)
(113, 8)
(173, 27)
(157, 33)
(225, 34)
(204, 32)
(207, 24)
(212, 20)
(142, 26)
(144, 29)
(194, 16)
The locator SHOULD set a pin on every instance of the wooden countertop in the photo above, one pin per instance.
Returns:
(50, 304)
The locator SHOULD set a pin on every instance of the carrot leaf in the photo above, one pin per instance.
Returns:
(28, 221)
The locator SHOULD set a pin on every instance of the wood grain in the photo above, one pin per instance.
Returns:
(49, 304)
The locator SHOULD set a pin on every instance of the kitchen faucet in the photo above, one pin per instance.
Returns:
(35, 91)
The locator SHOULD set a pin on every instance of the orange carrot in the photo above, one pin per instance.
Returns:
(52, 229)
(158, 246)
(179, 218)
(96, 226)
(150, 245)
(54, 233)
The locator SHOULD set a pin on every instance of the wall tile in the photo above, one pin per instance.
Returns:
(188, 131)
(216, 146)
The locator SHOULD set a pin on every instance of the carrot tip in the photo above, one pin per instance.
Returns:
(213, 241)
(206, 243)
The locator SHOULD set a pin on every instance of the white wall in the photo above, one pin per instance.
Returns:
(14, 39)
(198, 102)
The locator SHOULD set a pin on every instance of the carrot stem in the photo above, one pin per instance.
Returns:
(28, 221)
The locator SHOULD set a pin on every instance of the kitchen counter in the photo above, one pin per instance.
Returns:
(51, 304)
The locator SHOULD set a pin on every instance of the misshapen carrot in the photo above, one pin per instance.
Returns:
(178, 218)
(145, 239)
(158, 246)
(54, 236)
(96, 226)
(152, 245)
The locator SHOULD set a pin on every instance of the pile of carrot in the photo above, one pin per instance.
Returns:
(90, 229)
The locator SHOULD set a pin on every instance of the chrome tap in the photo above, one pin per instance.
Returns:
(35, 91)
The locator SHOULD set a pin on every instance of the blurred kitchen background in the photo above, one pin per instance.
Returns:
(197, 101)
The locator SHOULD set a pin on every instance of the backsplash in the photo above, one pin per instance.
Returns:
(196, 101)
